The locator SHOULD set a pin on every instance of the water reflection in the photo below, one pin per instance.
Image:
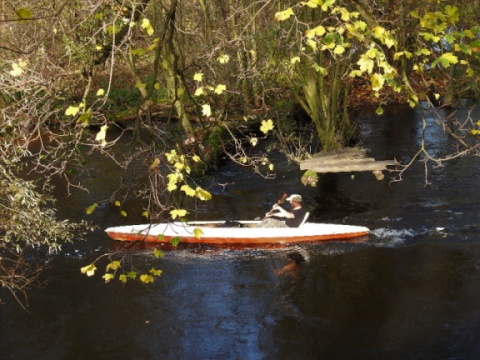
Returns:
(410, 290)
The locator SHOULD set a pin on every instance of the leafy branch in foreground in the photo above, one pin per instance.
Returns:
(116, 269)
(30, 230)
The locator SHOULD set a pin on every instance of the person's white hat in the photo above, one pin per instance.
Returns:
(295, 197)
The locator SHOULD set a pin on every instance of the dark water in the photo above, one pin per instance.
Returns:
(410, 290)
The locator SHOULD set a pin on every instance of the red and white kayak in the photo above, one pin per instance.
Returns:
(238, 234)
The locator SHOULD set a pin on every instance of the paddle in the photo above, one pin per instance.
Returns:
(279, 202)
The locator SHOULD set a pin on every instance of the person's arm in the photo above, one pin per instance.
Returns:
(281, 212)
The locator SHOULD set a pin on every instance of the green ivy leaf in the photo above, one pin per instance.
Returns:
(175, 241)
(132, 275)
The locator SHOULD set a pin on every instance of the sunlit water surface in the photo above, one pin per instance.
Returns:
(410, 290)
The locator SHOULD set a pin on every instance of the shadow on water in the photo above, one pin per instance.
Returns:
(410, 290)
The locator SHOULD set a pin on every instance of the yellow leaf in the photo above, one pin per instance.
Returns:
(172, 186)
(174, 177)
(89, 270)
(108, 277)
(140, 86)
(198, 77)
(72, 111)
(198, 233)
(355, 73)
(91, 209)
(147, 26)
(178, 213)
(206, 110)
(145, 278)
(138, 51)
(123, 213)
(254, 141)
(24, 14)
(339, 49)
(16, 70)
(271, 167)
(171, 156)
(154, 164)
(378, 32)
(114, 265)
(397, 55)
(199, 91)
(158, 253)
(377, 82)
(295, 59)
(366, 64)
(155, 272)
(220, 89)
(188, 190)
(313, 3)
(389, 41)
(371, 53)
(153, 46)
(267, 125)
(112, 29)
(117, 203)
(452, 59)
(327, 3)
(316, 31)
(284, 15)
(101, 135)
(196, 158)
(223, 59)
(123, 278)
(179, 166)
(146, 214)
(312, 44)
(345, 14)
(100, 92)
(203, 194)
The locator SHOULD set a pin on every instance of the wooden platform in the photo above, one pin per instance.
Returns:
(345, 160)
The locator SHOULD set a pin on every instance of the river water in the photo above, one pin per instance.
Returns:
(410, 290)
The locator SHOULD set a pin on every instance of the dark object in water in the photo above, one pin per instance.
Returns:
(231, 224)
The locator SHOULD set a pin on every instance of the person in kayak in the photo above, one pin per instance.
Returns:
(280, 217)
